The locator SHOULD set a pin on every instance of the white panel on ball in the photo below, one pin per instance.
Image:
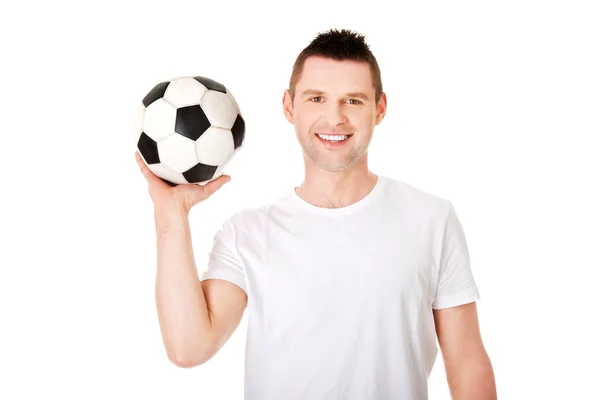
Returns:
(219, 109)
(160, 120)
(222, 166)
(234, 101)
(185, 92)
(178, 153)
(167, 173)
(215, 146)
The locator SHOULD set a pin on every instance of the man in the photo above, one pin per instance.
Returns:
(349, 278)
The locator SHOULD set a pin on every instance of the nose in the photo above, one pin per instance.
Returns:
(334, 114)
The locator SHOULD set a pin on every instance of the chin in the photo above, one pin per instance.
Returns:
(338, 167)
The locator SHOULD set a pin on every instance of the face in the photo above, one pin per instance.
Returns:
(334, 98)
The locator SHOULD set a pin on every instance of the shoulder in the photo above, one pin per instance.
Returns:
(255, 217)
(416, 200)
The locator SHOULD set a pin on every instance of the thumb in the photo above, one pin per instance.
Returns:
(212, 186)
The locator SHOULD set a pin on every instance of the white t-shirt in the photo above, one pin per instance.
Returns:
(340, 300)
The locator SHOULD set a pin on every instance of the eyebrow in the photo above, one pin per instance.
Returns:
(315, 92)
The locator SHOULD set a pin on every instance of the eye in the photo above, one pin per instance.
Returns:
(354, 101)
(316, 97)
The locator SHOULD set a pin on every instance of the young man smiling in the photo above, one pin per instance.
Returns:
(349, 278)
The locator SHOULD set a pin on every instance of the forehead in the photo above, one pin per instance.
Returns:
(331, 75)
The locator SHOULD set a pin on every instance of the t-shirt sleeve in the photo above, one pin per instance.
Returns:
(224, 261)
(456, 284)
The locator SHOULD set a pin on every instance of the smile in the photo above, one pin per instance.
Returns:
(333, 137)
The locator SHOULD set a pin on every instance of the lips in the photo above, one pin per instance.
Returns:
(347, 135)
(334, 144)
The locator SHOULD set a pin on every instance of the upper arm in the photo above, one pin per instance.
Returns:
(467, 365)
(225, 287)
(226, 303)
(454, 304)
(458, 332)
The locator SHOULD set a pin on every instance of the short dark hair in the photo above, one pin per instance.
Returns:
(339, 45)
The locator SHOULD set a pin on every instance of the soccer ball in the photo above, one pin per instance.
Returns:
(187, 129)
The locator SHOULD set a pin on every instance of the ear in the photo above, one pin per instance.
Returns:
(288, 107)
(381, 109)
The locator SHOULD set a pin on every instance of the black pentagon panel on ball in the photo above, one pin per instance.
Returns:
(156, 93)
(148, 149)
(211, 84)
(200, 173)
(239, 130)
(191, 122)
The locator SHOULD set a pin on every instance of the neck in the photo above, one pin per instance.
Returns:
(336, 189)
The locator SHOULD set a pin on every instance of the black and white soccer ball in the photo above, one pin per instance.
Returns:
(188, 128)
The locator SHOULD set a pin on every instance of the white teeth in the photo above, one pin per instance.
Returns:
(333, 138)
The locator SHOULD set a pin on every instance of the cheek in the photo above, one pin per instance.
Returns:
(306, 119)
(363, 119)
(358, 116)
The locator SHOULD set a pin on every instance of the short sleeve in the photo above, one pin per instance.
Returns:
(456, 284)
(223, 260)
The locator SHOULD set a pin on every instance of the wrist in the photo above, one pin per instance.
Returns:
(166, 217)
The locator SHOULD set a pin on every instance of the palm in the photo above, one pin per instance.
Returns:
(185, 196)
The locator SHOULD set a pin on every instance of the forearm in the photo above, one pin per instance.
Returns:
(472, 380)
(182, 311)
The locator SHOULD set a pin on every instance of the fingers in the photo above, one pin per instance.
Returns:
(207, 189)
(148, 174)
(141, 165)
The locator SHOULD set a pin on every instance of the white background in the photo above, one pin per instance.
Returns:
(493, 105)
